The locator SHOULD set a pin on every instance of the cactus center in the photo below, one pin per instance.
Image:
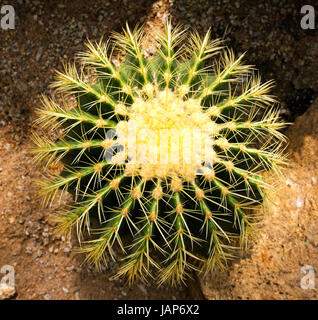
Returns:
(166, 135)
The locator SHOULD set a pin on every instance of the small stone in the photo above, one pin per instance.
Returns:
(39, 54)
(299, 202)
(288, 182)
(77, 295)
(142, 288)
(115, 62)
(39, 254)
(152, 49)
(65, 290)
(29, 249)
(71, 268)
(47, 297)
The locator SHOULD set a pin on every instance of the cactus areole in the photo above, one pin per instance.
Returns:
(165, 154)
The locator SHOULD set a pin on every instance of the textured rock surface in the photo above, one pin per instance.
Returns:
(288, 239)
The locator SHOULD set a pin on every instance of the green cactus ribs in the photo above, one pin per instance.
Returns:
(165, 153)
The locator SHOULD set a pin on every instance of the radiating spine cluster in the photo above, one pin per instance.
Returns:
(165, 153)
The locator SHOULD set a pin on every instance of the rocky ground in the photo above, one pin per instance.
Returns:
(49, 33)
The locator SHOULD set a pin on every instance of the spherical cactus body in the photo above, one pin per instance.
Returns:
(163, 154)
